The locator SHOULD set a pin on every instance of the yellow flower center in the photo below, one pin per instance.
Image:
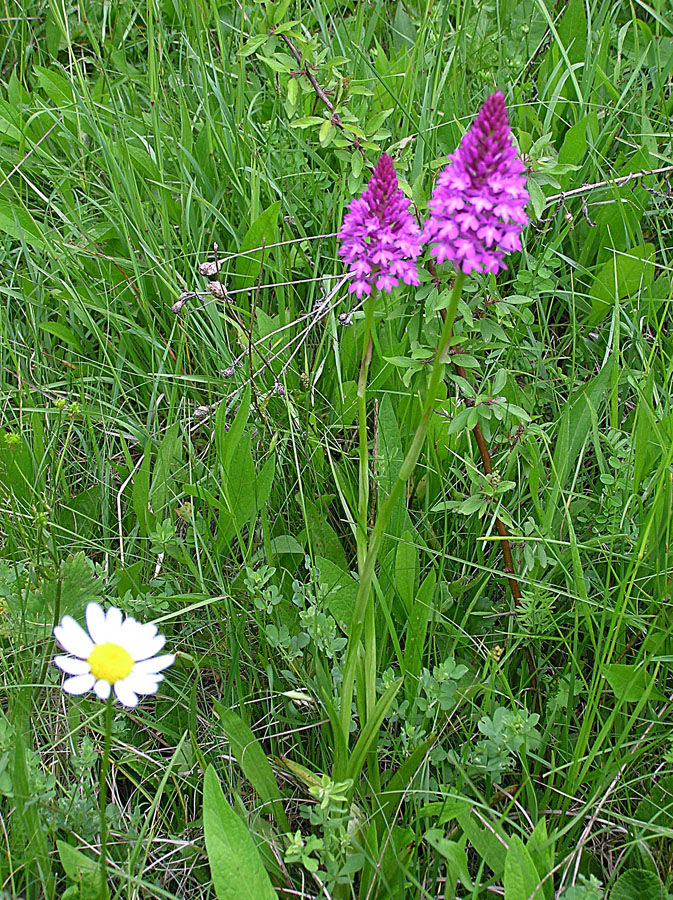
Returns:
(110, 662)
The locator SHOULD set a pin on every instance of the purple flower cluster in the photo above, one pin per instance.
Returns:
(380, 238)
(477, 210)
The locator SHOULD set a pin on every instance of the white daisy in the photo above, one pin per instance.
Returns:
(115, 653)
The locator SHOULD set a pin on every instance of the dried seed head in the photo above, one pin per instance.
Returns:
(210, 268)
(184, 297)
(217, 289)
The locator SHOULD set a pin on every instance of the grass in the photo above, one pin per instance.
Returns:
(199, 467)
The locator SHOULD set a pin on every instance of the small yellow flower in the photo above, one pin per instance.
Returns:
(116, 653)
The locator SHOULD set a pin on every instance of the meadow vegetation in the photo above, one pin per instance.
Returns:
(182, 437)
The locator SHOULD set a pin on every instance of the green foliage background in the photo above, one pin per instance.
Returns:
(198, 465)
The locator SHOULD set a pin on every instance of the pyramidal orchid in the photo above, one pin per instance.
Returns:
(477, 210)
(380, 239)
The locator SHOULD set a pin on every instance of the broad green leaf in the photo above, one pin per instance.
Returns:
(490, 843)
(56, 87)
(63, 333)
(620, 277)
(238, 487)
(541, 852)
(252, 44)
(574, 146)
(326, 133)
(16, 471)
(417, 626)
(85, 872)
(235, 863)
(573, 430)
(286, 543)
(443, 811)
(406, 565)
(454, 854)
(140, 159)
(78, 586)
(572, 30)
(264, 481)
(17, 223)
(343, 589)
(280, 62)
(52, 32)
(390, 462)
(655, 811)
(305, 122)
(398, 785)
(521, 878)
(262, 232)
(168, 457)
(537, 198)
(252, 760)
(629, 682)
(637, 884)
(197, 490)
(324, 539)
(10, 125)
(140, 494)
(584, 891)
(227, 437)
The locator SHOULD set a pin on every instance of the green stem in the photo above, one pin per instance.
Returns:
(362, 521)
(102, 796)
(363, 449)
(363, 599)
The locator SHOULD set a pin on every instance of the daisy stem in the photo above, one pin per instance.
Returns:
(364, 599)
(102, 796)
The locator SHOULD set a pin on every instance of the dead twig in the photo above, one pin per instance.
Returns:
(609, 182)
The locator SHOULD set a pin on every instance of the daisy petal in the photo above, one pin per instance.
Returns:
(143, 649)
(142, 684)
(102, 688)
(73, 638)
(152, 666)
(113, 622)
(72, 666)
(140, 638)
(149, 631)
(95, 621)
(124, 694)
(129, 631)
(80, 684)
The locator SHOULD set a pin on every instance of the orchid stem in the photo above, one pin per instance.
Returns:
(362, 521)
(364, 608)
(363, 438)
